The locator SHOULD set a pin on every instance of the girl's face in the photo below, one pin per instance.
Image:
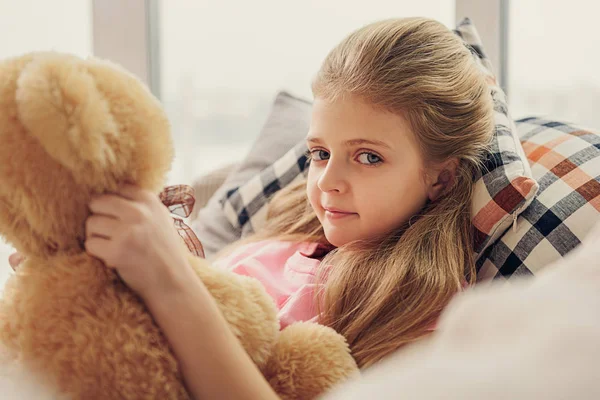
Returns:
(367, 176)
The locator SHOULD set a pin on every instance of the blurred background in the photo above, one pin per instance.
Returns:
(217, 65)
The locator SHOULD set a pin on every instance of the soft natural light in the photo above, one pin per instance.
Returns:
(221, 64)
(554, 60)
(34, 25)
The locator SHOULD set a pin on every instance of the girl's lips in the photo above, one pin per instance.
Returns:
(337, 210)
(332, 213)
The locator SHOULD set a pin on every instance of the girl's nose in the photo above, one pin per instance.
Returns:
(333, 178)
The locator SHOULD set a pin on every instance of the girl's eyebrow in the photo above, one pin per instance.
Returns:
(352, 142)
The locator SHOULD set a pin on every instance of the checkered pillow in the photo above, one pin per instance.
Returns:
(245, 206)
(565, 160)
(504, 189)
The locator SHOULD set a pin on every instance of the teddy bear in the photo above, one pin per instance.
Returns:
(71, 128)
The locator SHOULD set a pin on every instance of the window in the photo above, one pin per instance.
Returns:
(33, 25)
(553, 60)
(221, 64)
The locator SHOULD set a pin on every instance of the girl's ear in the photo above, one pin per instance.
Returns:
(441, 178)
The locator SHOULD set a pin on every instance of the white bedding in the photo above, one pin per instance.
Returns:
(532, 339)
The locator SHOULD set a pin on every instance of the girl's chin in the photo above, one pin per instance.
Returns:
(338, 239)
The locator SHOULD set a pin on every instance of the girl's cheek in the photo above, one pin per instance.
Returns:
(312, 179)
(312, 190)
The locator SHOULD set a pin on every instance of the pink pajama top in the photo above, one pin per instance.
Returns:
(288, 272)
(286, 269)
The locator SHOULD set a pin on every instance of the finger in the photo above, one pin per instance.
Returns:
(134, 193)
(143, 203)
(15, 259)
(99, 248)
(101, 225)
(110, 205)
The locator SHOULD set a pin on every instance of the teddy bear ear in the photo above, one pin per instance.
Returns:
(59, 103)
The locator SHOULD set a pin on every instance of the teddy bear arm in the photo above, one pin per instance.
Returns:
(308, 360)
(246, 306)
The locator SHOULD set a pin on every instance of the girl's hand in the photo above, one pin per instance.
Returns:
(133, 232)
(15, 259)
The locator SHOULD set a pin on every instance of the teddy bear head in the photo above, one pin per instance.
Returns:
(71, 128)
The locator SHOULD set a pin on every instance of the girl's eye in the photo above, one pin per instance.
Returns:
(319, 155)
(369, 158)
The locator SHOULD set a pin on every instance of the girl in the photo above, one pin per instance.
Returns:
(374, 243)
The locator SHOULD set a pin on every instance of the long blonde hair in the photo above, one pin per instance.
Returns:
(386, 292)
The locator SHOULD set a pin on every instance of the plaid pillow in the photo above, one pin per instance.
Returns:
(245, 206)
(503, 190)
(565, 160)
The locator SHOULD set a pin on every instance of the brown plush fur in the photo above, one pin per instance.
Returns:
(71, 128)
(307, 358)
